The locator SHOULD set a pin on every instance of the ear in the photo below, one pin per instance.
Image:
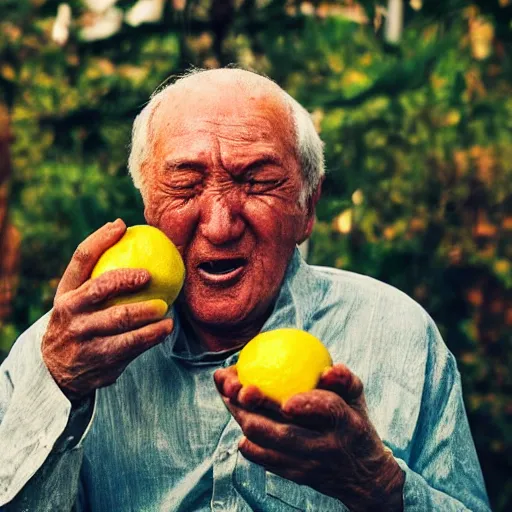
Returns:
(310, 212)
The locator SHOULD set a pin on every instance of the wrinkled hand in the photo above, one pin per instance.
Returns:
(87, 346)
(322, 438)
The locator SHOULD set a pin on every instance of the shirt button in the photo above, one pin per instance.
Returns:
(223, 456)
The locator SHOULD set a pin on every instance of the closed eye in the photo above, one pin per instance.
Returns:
(254, 181)
(186, 185)
(184, 177)
(260, 186)
(261, 174)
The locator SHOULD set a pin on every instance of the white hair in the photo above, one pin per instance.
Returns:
(308, 143)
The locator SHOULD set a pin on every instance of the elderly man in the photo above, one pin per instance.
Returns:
(230, 167)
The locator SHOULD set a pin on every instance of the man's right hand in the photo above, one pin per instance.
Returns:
(87, 346)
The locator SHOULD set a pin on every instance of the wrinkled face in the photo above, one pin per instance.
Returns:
(223, 183)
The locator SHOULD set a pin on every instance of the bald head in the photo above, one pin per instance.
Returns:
(218, 96)
(226, 79)
(219, 93)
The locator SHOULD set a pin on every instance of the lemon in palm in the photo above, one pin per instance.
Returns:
(146, 247)
(283, 362)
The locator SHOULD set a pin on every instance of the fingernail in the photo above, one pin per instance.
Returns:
(117, 223)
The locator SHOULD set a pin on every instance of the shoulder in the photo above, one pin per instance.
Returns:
(373, 326)
(364, 295)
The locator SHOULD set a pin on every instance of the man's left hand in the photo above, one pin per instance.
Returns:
(321, 438)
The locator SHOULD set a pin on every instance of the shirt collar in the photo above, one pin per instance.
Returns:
(292, 309)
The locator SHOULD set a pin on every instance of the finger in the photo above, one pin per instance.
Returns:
(122, 318)
(340, 379)
(318, 409)
(283, 437)
(241, 415)
(128, 346)
(270, 459)
(87, 255)
(107, 286)
(249, 397)
(274, 432)
(227, 383)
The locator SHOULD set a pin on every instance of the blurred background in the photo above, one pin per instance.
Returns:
(412, 98)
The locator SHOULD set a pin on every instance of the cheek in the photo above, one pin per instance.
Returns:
(177, 221)
(276, 221)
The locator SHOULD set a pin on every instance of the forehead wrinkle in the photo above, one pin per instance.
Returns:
(249, 118)
(247, 122)
(232, 131)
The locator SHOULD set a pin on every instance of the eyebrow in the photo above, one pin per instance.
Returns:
(198, 165)
(182, 163)
(267, 159)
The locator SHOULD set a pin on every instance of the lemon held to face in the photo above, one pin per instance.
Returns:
(283, 362)
(146, 247)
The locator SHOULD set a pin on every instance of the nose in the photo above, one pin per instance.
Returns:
(221, 222)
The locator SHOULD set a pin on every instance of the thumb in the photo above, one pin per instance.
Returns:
(340, 380)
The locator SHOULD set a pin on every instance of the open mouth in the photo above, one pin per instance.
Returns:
(222, 267)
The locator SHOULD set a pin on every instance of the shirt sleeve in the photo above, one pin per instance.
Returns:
(41, 433)
(443, 472)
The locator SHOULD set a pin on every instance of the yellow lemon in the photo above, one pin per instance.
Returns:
(146, 247)
(283, 362)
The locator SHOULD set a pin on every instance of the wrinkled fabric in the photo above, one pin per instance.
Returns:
(160, 439)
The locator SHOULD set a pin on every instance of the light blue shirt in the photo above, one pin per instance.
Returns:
(161, 439)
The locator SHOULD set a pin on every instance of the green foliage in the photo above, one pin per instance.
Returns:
(418, 144)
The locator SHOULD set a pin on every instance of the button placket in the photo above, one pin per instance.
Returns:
(224, 496)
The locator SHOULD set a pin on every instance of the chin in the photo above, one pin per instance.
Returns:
(217, 312)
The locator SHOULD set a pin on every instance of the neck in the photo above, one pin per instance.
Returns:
(220, 337)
